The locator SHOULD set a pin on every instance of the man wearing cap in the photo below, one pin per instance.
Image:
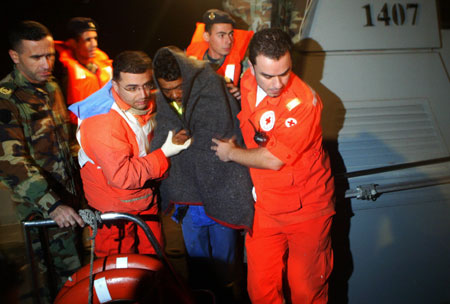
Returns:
(86, 68)
(215, 40)
(35, 162)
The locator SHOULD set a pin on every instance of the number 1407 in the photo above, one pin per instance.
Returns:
(397, 14)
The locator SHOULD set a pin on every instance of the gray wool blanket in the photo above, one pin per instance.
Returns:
(196, 175)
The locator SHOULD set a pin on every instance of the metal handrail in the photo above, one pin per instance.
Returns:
(393, 168)
(373, 191)
(105, 217)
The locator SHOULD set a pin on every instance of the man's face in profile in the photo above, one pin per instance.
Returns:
(220, 39)
(86, 44)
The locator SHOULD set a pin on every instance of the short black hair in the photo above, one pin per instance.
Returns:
(26, 30)
(135, 62)
(166, 66)
(78, 25)
(272, 43)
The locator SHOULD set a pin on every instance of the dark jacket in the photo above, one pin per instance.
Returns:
(196, 175)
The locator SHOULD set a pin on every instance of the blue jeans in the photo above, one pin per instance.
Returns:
(211, 251)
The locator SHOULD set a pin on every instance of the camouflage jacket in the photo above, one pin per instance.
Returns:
(35, 161)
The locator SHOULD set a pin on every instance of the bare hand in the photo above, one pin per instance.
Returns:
(234, 90)
(180, 137)
(223, 148)
(65, 216)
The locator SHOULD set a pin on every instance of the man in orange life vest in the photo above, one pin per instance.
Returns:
(86, 67)
(117, 168)
(215, 40)
(293, 186)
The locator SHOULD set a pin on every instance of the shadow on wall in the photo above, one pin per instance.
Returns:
(393, 256)
(309, 66)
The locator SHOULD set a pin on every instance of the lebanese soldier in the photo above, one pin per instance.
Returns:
(224, 47)
(35, 161)
(85, 68)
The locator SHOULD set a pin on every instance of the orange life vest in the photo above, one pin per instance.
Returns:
(198, 48)
(81, 82)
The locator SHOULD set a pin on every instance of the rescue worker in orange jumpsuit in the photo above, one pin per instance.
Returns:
(85, 67)
(293, 186)
(117, 168)
(224, 47)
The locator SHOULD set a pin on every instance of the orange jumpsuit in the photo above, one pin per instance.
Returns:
(198, 48)
(294, 205)
(117, 173)
(81, 82)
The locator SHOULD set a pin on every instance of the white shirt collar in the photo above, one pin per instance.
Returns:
(260, 95)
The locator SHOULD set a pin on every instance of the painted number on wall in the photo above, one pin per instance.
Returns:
(397, 14)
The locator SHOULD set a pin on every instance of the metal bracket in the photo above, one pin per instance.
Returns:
(367, 192)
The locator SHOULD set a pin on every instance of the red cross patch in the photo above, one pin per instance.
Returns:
(267, 121)
(290, 122)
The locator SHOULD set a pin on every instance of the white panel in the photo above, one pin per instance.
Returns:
(354, 24)
(379, 133)
(343, 78)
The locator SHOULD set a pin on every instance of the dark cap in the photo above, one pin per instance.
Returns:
(214, 16)
(78, 25)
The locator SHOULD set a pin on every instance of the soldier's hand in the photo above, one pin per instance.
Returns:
(234, 90)
(66, 216)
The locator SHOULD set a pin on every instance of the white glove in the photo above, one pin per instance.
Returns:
(170, 149)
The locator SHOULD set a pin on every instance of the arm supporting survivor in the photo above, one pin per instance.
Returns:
(260, 158)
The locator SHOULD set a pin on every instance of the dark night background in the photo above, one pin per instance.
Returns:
(134, 25)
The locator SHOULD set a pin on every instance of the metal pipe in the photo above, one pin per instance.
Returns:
(392, 168)
(40, 223)
(372, 191)
(408, 185)
(32, 265)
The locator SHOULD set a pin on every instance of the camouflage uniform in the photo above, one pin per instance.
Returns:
(35, 161)
(257, 15)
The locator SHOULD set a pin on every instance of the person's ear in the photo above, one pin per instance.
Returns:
(72, 43)
(115, 86)
(252, 69)
(14, 56)
(206, 36)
